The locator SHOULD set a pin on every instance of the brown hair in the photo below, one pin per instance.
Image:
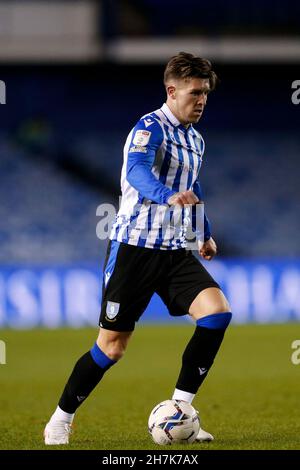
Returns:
(185, 65)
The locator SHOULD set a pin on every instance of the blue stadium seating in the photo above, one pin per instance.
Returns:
(46, 216)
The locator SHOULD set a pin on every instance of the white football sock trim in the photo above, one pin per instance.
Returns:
(181, 395)
(60, 415)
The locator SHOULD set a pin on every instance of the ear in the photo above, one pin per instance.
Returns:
(171, 92)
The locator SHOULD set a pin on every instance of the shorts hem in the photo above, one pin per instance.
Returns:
(116, 328)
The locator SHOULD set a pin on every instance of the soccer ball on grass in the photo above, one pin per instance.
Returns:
(173, 421)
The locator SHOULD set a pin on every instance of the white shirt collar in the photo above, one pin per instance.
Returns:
(166, 110)
(173, 119)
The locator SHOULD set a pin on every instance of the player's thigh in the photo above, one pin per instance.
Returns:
(187, 278)
(130, 277)
(208, 302)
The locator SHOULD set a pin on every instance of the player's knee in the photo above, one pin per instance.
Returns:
(113, 344)
(209, 302)
(215, 309)
(115, 351)
(220, 306)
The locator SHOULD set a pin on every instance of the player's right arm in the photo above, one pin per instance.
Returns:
(146, 139)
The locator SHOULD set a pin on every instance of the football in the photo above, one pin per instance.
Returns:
(173, 421)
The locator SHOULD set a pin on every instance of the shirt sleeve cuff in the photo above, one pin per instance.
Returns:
(168, 193)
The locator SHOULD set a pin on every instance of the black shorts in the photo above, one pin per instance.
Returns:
(132, 274)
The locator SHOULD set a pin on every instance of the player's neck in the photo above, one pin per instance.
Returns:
(173, 111)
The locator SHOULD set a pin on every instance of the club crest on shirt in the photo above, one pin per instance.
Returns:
(112, 310)
(141, 137)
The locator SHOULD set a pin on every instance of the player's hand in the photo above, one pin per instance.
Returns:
(208, 249)
(182, 198)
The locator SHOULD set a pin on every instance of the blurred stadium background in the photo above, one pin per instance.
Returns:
(78, 75)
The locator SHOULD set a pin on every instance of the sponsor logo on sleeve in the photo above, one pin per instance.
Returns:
(137, 148)
(141, 137)
(148, 122)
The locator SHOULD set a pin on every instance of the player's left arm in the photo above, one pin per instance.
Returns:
(207, 249)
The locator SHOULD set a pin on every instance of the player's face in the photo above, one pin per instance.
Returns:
(188, 99)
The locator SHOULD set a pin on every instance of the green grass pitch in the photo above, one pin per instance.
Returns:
(250, 399)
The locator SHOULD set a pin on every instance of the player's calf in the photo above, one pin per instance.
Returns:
(200, 353)
(87, 373)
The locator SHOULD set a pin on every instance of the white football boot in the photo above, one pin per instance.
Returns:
(204, 436)
(57, 432)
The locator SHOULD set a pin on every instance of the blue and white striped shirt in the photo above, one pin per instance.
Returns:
(161, 158)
